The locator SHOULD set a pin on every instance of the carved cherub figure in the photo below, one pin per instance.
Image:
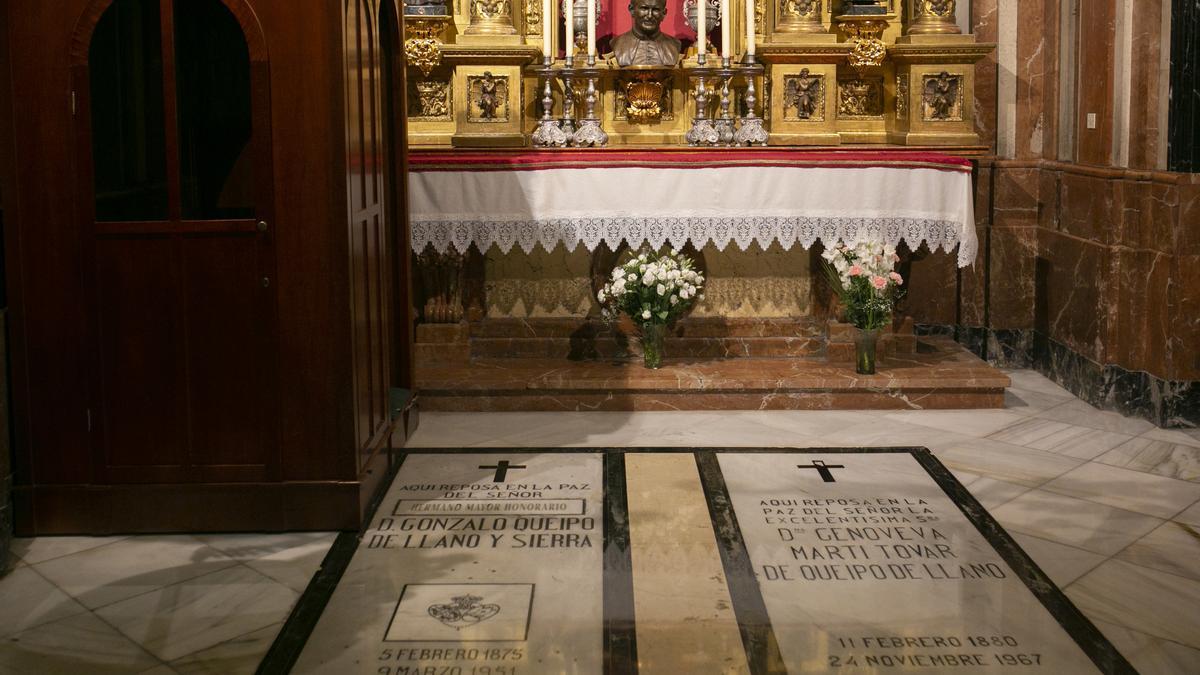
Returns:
(801, 93)
(489, 100)
(941, 92)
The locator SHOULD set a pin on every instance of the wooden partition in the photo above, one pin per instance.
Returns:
(201, 256)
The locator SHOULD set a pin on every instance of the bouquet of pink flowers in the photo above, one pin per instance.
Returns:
(862, 275)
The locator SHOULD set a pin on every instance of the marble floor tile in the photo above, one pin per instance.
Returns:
(1026, 402)
(1002, 461)
(810, 423)
(1025, 379)
(1174, 547)
(1151, 655)
(100, 576)
(1177, 436)
(1062, 563)
(878, 433)
(1190, 515)
(183, 618)
(1126, 489)
(1081, 414)
(290, 559)
(239, 656)
(975, 423)
(685, 622)
(35, 550)
(71, 646)
(28, 600)
(1149, 601)
(1075, 522)
(990, 492)
(1060, 438)
(1164, 458)
(161, 669)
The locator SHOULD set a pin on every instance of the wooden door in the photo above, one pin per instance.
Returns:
(175, 195)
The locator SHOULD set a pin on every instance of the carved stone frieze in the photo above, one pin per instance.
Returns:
(433, 101)
(860, 98)
(902, 96)
(942, 97)
(533, 17)
(487, 98)
(804, 97)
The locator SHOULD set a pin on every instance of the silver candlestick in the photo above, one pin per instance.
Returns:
(568, 115)
(702, 131)
(548, 133)
(590, 134)
(724, 124)
(752, 131)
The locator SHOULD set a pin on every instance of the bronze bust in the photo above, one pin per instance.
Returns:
(645, 44)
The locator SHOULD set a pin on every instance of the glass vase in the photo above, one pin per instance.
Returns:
(652, 344)
(864, 350)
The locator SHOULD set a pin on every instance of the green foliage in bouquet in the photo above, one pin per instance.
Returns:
(863, 278)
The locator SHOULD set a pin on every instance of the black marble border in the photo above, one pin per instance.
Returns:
(285, 650)
(620, 634)
(758, 635)
(759, 641)
(1166, 403)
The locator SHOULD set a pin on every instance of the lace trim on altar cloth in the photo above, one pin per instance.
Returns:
(700, 230)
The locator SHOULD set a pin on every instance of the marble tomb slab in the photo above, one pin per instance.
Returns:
(488, 564)
(865, 564)
(668, 560)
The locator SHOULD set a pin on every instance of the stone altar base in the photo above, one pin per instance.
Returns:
(711, 364)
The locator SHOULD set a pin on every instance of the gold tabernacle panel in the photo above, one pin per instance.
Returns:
(795, 73)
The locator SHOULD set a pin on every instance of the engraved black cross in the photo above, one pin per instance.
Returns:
(823, 469)
(502, 468)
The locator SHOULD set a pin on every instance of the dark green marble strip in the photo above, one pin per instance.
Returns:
(758, 637)
(620, 636)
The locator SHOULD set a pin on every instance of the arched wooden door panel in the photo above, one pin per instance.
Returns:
(175, 193)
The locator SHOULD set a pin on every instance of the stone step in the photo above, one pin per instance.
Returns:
(939, 374)
(620, 346)
(690, 327)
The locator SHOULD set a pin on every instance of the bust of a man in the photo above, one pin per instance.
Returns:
(645, 44)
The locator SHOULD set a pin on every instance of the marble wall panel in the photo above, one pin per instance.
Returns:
(1186, 223)
(1184, 318)
(1050, 77)
(1145, 98)
(1032, 114)
(1086, 207)
(1097, 31)
(932, 283)
(985, 20)
(1071, 288)
(1013, 266)
(1141, 320)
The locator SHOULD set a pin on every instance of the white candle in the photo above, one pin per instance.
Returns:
(570, 19)
(701, 26)
(591, 27)
(725, 46)
(547, 34)
(750, 27)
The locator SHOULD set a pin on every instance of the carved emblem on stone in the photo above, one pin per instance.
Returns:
(941, 97)
(490, 9)
(433, 100)
(487, 95)
(644, 97)
(533, 17)
(860, 97)
(902, 97)
(463, 611)
(941, 8)
(804, 97)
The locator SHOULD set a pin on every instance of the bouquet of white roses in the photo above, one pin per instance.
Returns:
(652, 289)
(862, 275)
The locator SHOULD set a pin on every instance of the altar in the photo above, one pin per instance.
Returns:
(514, 246)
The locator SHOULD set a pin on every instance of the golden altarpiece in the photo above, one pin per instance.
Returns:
(879, 75)
(827, 72)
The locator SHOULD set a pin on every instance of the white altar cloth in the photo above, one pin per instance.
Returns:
(741, 196)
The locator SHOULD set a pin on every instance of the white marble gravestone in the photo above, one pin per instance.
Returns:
(493, 571)
(865, 565)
